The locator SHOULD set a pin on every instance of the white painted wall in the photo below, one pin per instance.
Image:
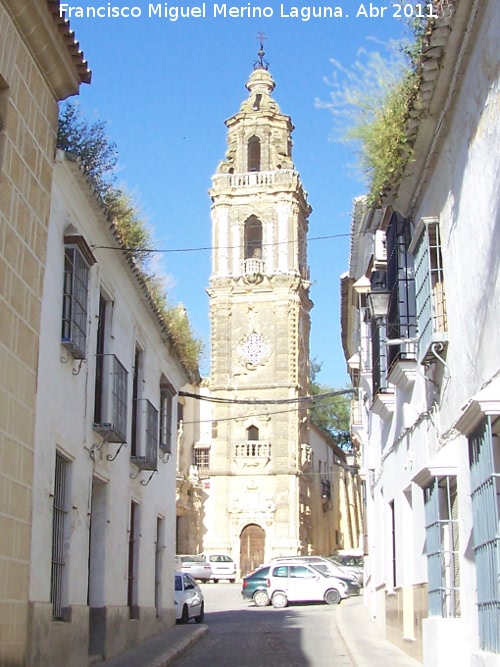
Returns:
(64, 422)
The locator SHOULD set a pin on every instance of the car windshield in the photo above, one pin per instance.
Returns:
(220, 559)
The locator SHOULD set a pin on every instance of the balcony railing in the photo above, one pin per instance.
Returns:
(252, 266)
(252, 449)
(254, 178)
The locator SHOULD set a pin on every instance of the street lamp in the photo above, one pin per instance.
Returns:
(378, 303)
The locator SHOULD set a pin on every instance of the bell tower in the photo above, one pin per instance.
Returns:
(257, 503)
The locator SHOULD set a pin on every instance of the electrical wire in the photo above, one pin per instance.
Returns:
(170, 250)
(281, 401)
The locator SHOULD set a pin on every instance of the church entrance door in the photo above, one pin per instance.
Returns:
(252, 543)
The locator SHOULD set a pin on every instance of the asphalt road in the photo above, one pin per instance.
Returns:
(242, 635)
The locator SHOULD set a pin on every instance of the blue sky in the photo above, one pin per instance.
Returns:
(165, 88)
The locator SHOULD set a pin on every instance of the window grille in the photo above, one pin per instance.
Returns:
(59, 513)
(113, 409)
(159, 563)
(132, 578)
(429, 287)
(167, 393)
(99, 371)
(400, 280)
(379, 357)
(75, 294)
(134, 436)
(151, 435)
(484, 455)
(441, 513)
(202, 457)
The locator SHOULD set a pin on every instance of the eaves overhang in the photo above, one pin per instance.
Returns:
(444, 56)
(52, 43)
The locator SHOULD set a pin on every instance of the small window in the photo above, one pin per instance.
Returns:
(253, 238)
(252, 433)
(256, 104)
(254, 154)
(202, 457)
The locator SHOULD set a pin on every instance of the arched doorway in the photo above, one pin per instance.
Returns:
(252, 547)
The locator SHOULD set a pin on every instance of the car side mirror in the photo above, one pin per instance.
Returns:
(189, 587)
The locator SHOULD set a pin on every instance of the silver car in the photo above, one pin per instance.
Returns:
(350, 563)
(197, 566)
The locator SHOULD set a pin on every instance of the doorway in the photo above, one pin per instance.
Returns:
(252, 548)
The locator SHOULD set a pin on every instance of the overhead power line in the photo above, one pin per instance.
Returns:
(170, 250)
(258, 401)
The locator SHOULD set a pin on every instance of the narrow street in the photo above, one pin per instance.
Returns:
(242, 635)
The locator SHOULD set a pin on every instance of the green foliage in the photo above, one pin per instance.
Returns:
(385, 147)
(330, 414)
(371, 103)
(132, 230)
(98, 157)
(89, 142)
(188, 346)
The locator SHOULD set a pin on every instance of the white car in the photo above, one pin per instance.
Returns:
(223, 567)
(296, 582)
(327, 567)
(188, 599)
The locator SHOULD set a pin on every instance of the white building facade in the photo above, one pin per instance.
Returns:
(427, 365)
(103, 536)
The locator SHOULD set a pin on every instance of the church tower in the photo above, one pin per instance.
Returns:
(257, 504)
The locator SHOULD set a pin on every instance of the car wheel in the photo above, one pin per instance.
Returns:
(332, 596)
(231, 581)
(185, 614)
(279, 600)
(261, 599)
(201, 616)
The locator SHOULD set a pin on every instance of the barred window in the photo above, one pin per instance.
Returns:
(78, 259)
(202, 457)
(59, 519)
(441, 512)
(167, 392)
(401, 320)
(75, 294)
(484, 456)
(429, 288)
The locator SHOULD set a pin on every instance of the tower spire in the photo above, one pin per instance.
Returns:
(261, 63)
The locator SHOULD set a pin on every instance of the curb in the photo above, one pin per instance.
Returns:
(175, 651)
